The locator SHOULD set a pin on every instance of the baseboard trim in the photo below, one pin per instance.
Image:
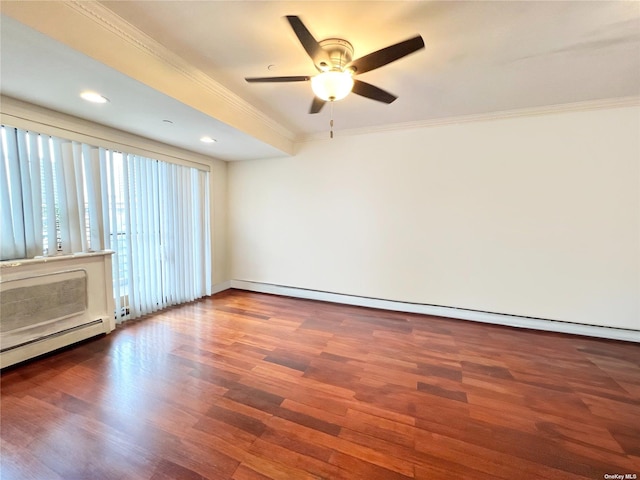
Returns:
(52, 342)
(450, 312)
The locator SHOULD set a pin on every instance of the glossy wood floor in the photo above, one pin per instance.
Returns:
(250, 386)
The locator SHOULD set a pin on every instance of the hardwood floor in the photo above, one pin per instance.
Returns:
(251, 386)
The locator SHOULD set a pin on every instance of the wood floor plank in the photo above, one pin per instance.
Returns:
(249, 386)
(316, 468)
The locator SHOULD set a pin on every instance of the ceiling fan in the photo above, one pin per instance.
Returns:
(332, 58)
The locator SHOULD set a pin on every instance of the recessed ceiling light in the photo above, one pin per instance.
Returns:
(207, 139)
(94, 97)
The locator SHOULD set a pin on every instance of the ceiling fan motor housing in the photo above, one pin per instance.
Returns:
(340, 53)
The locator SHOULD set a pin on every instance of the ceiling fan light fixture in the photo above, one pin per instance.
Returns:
(332, 85)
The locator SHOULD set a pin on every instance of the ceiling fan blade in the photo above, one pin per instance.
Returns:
(299, 78)
(310, 44)
(316, 105)
(386, 55)
(365, 89)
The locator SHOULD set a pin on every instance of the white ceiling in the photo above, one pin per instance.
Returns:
(480, 57)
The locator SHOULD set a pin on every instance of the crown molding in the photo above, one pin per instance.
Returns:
(620, 102)
(138, 39)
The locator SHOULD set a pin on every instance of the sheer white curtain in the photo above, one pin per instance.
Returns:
(59, 196)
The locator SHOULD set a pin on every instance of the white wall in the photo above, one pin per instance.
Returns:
(219, 229)
(536, 216)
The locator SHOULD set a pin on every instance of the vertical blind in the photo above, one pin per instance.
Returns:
(59, 197)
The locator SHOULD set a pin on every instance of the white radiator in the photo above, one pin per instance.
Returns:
(49, 303)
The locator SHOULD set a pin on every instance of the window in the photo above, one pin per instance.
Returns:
(60, 196)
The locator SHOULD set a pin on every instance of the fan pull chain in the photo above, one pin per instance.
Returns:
(331, 122)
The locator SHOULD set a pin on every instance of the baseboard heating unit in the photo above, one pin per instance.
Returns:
(52, 302)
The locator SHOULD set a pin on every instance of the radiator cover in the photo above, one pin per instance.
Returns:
(49, 303)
